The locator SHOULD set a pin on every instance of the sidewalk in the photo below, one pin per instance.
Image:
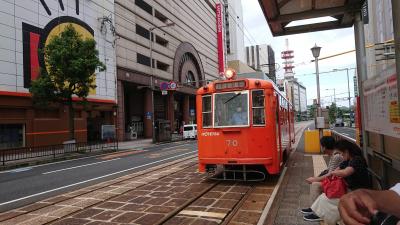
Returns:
(294, 191)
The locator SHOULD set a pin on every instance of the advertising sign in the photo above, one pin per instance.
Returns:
(381, 106)
(220, 37)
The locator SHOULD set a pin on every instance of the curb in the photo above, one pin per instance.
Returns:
(271, 198)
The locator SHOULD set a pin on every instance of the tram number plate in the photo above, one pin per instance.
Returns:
(232, 143)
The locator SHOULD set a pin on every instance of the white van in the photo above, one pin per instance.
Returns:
(190, 131)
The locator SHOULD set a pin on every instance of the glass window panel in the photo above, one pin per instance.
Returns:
(231, 109)
(258, 107)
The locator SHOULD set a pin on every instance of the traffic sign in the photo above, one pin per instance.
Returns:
(172, 85)
(164, 92)
(164, 86)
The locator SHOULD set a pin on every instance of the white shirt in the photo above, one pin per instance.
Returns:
(396, 188)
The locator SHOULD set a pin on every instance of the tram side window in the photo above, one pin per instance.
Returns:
(206, 111)
(258, 107)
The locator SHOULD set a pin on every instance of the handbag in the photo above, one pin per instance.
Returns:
(334, 187)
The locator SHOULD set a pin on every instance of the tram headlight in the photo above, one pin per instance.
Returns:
(230, 74)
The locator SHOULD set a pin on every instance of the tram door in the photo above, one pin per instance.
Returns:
(278, 129)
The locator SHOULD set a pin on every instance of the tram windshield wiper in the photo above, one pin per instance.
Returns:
(232, 97)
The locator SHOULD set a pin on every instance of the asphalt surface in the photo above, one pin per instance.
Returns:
(27, 185)
(346, 131)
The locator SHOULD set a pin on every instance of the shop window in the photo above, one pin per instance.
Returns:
(142, 31)
(145, 6)
(162, 66)
(12, 136)
(161, 41)
(206, 111)
(160, 16)
(258, 107)
(142, 59)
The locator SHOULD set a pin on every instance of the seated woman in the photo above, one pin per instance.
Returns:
(353, 170)
(328, 145)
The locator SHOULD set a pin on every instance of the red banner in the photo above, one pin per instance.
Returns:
(220, 38)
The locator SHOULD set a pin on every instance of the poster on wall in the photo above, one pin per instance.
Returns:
(381, 105)
(28, 27)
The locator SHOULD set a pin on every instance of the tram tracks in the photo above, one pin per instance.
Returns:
(10, 216)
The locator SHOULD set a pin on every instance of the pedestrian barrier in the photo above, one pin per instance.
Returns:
(311, 141)
(15, 154)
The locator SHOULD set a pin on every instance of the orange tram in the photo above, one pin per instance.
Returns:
(245, 129)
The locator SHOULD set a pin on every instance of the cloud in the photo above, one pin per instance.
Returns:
(332, 42)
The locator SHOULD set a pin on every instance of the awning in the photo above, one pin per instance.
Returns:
(279, 13)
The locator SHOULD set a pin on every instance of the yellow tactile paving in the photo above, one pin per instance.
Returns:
(319, 164)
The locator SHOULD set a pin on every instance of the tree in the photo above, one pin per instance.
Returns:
(332, 112)
(70, 65)
(312, 109)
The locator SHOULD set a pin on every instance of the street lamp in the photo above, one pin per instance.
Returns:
(151, 29)
(315, 51)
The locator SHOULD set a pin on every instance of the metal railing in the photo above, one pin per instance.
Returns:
(338, 136)
(24, 153)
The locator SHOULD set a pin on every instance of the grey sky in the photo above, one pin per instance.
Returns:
(332, 42)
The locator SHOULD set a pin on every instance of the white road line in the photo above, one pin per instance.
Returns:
(53, 163)
(174, 147)
(88, 157)
(74, 167)
(93, 179)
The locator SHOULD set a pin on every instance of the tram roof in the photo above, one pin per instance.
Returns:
(279, 13)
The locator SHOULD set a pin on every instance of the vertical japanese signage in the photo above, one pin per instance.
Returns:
(220, 39)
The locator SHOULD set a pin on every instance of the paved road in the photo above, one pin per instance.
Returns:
(26, 185)
(346, 131)
(23, 186)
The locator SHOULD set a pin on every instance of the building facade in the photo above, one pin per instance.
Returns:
(25, 27)
(298, 98)
(262, 58)
(234, 30)
(160, 43)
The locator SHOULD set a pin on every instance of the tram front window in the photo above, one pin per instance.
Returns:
(231, 109)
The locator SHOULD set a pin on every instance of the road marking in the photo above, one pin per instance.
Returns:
(174, 147)
(93, 179)
(203, 214)
(74, 167)
(17, 170)
(157, 155)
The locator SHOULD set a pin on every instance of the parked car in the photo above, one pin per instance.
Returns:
(190, 131)
(339, 122)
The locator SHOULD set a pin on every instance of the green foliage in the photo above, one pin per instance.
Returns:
(332, 113)
(339, 113)
(70, 63)
(312, 111)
